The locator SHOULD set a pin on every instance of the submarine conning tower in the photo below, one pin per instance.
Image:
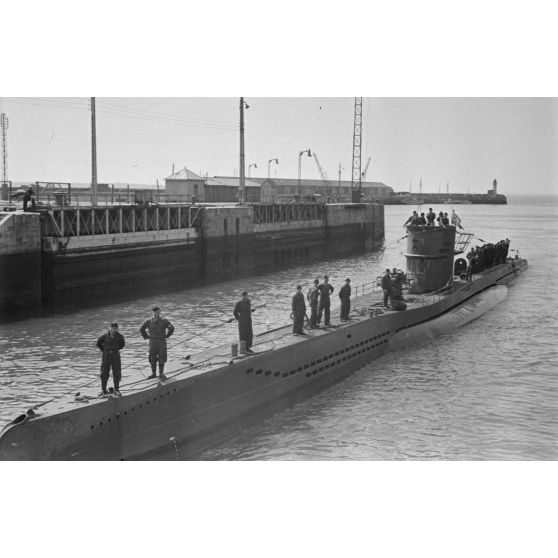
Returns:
(430, 252)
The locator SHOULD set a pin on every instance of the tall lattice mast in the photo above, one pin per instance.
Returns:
(93, 153)
(357, 140)
(4, 124)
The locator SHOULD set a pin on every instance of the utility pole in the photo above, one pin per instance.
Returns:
(242, 182)
(300, 154)
(339, 184)
(269, 166)
(4, 124)
(93, 154)
(357, 140)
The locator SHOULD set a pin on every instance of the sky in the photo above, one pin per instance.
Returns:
(466, 142)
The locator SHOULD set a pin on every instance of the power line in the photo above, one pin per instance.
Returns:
(142, 114)
(195, 120)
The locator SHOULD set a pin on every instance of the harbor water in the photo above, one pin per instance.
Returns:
(486, 391)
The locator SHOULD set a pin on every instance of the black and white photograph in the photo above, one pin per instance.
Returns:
(248, 285)
(296, 307)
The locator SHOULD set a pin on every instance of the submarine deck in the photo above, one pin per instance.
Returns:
(362, 307)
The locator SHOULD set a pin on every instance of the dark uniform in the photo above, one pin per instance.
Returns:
(243, 313)
(345, 296)
(472, 259)
(29, 196)
(430, 217)
(313, 298)
(325, 290)
(160, 329)
(110, 344)
(412, 220)
(387, 287)
(299, 311)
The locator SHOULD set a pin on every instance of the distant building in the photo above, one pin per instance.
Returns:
(225, 189)
(275, 190)
(186, 186)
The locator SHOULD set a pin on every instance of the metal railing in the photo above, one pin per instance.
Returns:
(52, 197)
(366, 288)
(86, 221)
(288, 212)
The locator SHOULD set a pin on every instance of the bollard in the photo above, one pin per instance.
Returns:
(234, 350)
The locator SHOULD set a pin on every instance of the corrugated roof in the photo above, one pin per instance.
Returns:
(233, 181)
(318, 182)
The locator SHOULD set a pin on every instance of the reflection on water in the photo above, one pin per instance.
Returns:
(484, 391)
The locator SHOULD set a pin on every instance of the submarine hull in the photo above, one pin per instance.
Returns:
(191, 413)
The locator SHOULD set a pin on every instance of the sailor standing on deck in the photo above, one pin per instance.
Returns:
(160, 329)
(110, 344)
(387, 287)
(299, 311)
(243, 313)
(313, 298)
(345, 296)
(325, 290)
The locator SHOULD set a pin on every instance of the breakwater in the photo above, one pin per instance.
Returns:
(91, 254)
(439, 199)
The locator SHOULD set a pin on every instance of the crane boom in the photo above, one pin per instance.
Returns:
(366, 169)
(323, 173)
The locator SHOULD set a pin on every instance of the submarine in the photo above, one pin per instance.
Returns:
(215, 395)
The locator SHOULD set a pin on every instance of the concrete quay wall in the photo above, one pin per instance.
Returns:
(20, 260)
(223, 242)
